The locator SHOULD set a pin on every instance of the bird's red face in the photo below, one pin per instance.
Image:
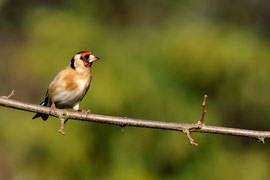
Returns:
(82, 61)
(87, 58)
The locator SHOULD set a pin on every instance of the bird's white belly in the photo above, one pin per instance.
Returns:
(68, 99)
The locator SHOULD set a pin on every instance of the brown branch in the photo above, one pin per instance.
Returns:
(123, 121)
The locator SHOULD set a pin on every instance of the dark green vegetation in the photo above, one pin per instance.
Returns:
(158, 60)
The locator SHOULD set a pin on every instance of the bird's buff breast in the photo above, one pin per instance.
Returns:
(68, 88)
(70, 97)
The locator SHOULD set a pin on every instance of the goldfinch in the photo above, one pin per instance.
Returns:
(70, 85)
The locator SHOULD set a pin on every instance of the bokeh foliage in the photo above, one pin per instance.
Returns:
(158, 60)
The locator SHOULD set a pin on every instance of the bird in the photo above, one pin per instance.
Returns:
(70, 85)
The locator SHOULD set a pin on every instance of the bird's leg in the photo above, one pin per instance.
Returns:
(77, 108)
(63, 119)
(52, 108)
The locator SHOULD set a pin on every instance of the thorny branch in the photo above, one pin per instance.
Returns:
(64, 115)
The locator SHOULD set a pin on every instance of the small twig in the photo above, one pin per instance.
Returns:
(63, 118)
(203, 110)
(200, 123)
(62, 126)
(10, 95)
(191, 140)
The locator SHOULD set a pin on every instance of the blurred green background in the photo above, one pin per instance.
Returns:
(158, 60)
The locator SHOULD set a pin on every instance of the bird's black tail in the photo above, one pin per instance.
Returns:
(43, 116)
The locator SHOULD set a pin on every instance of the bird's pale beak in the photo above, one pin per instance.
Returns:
(92, 58)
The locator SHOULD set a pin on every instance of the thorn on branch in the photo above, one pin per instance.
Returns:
(203, 110)
(11, 94)
(123, 128)
(261, 139)
(187, 132)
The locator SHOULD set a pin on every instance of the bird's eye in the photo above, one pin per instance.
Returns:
(81, 58)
